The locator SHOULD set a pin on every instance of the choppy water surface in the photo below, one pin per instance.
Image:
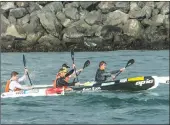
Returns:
(147, 107)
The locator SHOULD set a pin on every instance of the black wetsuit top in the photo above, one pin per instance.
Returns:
(102, 75)
(60, 82)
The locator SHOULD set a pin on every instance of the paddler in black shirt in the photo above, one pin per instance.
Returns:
(102, 75)
(62, 81)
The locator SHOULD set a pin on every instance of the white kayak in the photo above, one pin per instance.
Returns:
(32, 92)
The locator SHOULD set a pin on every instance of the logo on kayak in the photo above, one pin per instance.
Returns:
(93, 89)
(136, 79)
(20, 92)
(109, 83)
(140, 83)
(123, 80)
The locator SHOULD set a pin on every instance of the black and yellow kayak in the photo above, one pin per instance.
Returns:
(130, 84)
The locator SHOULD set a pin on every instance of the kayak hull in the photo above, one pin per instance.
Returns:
(33, 92)
(135, 84)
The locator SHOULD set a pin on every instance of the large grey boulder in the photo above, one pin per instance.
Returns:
(50, 23)
(159, 4)
(82, 27)
(7, 6)
(94, 17)
(165, 9)
(116, 17)
(123, 6)
(141, 4)
(155, 35)
(43, 3)
(63, 19)
(32, 39)
(20, 4)
(53, 7)
(158, 19)
(107, 7)
(12, 31)
(97, 29)
(4, 24)
(72, 5)
(48, 42)
(108, 32)
(147, 11)
(23, 20)
(12, 20)
(83, 14)
(71, 32)
(166, 22)
(85, 4)
(72, 13)
(133, 28)
(155, 12)
(92, 42)
(34, 25)
(135, 11)
(18, 12)
(134, 6)
(33, 7)
(139, 14)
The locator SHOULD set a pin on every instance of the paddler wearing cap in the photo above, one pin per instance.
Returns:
(61, 74)
(62, 81)
(102, 75)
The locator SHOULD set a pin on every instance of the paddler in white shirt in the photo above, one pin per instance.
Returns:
(14, 83)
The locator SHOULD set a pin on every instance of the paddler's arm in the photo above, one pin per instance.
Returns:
(78, 72)
(17, 85)
(61, 81)
(106, 74)
(23, 78)
(116, 71)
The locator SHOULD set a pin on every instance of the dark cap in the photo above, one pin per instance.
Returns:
(101, 63)
(65, 65)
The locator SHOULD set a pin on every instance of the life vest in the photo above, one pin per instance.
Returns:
(57, 77)
(7, 87)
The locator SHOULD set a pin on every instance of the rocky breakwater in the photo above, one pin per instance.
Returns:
(84, 26)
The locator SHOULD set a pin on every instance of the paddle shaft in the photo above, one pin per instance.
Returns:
(72, 57)
(129, 63)
(24, 61)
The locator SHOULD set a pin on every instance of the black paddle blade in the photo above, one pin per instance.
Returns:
(24, 60)
(130, 62)
(69, 73)
(72, 54)
(86, 64)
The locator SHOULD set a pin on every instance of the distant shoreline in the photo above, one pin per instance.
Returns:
(59, 26)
